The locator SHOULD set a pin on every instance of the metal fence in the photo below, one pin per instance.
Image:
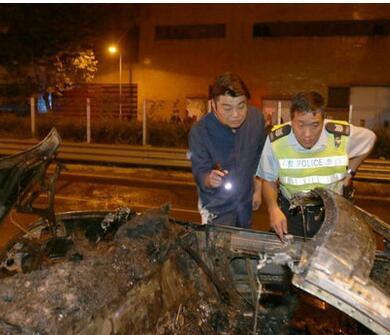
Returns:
(83, 121)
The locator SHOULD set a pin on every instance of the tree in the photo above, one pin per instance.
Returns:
(61, 72)
(55, 74)
(50, 46)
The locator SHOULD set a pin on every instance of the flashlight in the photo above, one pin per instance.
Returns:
(227, 185)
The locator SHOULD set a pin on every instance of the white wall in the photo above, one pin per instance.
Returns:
(372, 104)
(270, 110)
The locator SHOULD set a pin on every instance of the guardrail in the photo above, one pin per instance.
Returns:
(107, 153)
(374, 170)
(371, 169)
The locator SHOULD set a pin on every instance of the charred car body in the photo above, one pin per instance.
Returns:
(132, 273)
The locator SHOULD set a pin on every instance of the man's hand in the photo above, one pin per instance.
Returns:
(256, 201)
(257, 196)
(278, 221)
(214, 178)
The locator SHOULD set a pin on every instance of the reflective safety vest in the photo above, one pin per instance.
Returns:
(304, 171)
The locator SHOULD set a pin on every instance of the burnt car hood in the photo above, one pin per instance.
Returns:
(340, 265)
(19, 173)
(336, 265)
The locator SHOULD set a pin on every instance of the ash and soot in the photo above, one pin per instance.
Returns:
(138, 281)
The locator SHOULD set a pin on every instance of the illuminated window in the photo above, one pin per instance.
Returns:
(41, 104)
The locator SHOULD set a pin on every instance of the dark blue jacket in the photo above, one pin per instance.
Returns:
(238, 152)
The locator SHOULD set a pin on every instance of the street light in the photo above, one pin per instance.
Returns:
(113, 50)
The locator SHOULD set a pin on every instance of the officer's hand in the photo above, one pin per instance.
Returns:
(347, 180)
(348, 189)
(278, 222)
(214, 178)
(256, 200)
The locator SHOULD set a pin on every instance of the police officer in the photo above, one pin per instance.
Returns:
(305, 153)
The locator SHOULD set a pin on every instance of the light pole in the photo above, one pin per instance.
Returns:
(113, 50)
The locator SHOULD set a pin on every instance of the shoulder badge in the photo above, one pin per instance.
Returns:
(279, 131)
(338, 128)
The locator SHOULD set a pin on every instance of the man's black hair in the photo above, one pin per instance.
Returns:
(308, 102)
(229, 84)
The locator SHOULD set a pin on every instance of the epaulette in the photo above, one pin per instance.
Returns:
(279, 131)
(338, 128)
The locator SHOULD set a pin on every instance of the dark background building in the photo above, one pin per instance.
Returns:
(340, 50)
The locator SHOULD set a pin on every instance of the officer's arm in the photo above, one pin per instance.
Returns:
(256, 200)
(268, 171)
(359, 147)
(353, 165)
(278, 221)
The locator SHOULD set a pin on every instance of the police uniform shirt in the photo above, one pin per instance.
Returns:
(360, 142)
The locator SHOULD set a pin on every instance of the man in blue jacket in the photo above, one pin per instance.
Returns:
(225, 146)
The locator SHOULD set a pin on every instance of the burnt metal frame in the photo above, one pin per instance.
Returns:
(324, 261)
(26, 199)
(25, 178)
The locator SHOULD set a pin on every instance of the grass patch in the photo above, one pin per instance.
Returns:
(103, 130)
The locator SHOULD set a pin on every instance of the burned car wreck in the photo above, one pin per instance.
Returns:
(147, 273)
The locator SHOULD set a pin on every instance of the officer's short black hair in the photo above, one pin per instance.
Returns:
(229, 84)
(308, 102)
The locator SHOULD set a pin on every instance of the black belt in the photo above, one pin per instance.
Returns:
(303, 219)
